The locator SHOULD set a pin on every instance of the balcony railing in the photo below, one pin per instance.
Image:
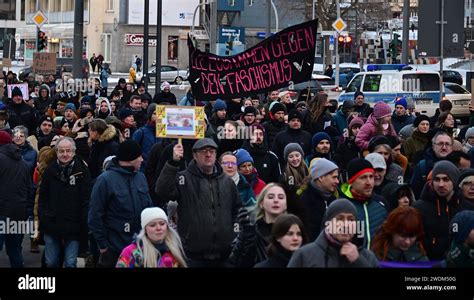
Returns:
(58, 17)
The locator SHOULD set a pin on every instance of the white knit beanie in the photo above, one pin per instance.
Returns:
(151, 213)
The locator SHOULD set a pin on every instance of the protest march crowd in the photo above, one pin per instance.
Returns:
(276, 182)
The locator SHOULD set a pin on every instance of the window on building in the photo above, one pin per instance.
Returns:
(22, 14)
(8, 10)
(67, 46)
(106, 43)
(55, 5)
(86, 5)
(31, 6)
(110, 5)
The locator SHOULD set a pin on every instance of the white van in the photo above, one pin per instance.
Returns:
(420, 86)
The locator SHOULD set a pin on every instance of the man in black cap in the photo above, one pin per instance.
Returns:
(293, 134)
(118, 197)
(276, 123)
(21, 113)
(44, 133)
(208, 204)
(363, 109)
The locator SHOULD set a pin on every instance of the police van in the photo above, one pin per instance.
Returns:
(422, 87)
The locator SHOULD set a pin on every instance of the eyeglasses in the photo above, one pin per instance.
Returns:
(443, 144)
(469, 184)
(205, 151)
(229, 163)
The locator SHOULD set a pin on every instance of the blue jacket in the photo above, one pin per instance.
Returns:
(341, 121)
(29, 155)
(118, 197)
(146, 138)
(400, 122)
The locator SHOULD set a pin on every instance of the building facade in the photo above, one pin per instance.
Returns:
(12, 14)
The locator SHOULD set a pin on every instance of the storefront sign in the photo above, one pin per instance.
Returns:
(136, 39)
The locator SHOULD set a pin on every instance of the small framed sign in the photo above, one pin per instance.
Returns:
(181, 122)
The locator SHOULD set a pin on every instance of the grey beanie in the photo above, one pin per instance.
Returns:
(291, 148)
(322, 167)
(347, 104)
(339, 206)
(469, 133)
(448, 168)
(150, 110)
(406, 131)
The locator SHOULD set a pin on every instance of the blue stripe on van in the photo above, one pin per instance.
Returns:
(390, 97)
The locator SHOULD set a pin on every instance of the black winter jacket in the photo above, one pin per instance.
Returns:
(207, 208)
(64, 203)
(15, 184)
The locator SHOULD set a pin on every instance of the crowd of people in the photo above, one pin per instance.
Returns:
(274, 183)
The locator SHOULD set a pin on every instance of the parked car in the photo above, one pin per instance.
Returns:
(452, 76)
(63, 64)
(305, 91)
(460, 97)
(168, 73)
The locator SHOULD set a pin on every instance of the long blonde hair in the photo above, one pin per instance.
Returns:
(149, 252)
(259, 211)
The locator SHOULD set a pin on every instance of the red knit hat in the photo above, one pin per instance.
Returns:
(5, 138)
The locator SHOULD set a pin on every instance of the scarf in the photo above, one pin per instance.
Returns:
(236, 178)
(65, 171)
(359, 197)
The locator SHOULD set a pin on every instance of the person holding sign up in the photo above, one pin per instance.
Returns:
(208, 204)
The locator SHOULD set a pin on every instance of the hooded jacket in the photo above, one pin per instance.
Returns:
(106, 145)
(207, 208)
(437, 214)
(372, 212)
(16, 184)
(368, 131)
(118, 197)
(414, 144)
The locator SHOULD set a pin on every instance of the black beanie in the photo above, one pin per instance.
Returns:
(129, 150)
(378, 140)
(357, 167)
(357, 94)
(16, 92)
(419, 119)
(295, 114)
(278, 107)
(250, 110)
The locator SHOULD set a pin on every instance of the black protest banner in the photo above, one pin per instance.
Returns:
(280, 60)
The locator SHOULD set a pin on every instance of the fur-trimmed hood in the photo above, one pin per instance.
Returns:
(108, 134)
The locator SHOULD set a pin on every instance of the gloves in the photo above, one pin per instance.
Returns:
(243, 217)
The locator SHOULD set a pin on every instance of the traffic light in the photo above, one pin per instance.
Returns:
(42, 40)
(395, 46)
(345, 44)
(348, 44)
(340, 41)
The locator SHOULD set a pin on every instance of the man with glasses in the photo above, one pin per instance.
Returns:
(208, 204)
(438, 204)
(63, 205)
(442, 146)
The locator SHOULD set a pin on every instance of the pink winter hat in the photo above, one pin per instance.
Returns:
(382, 110)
